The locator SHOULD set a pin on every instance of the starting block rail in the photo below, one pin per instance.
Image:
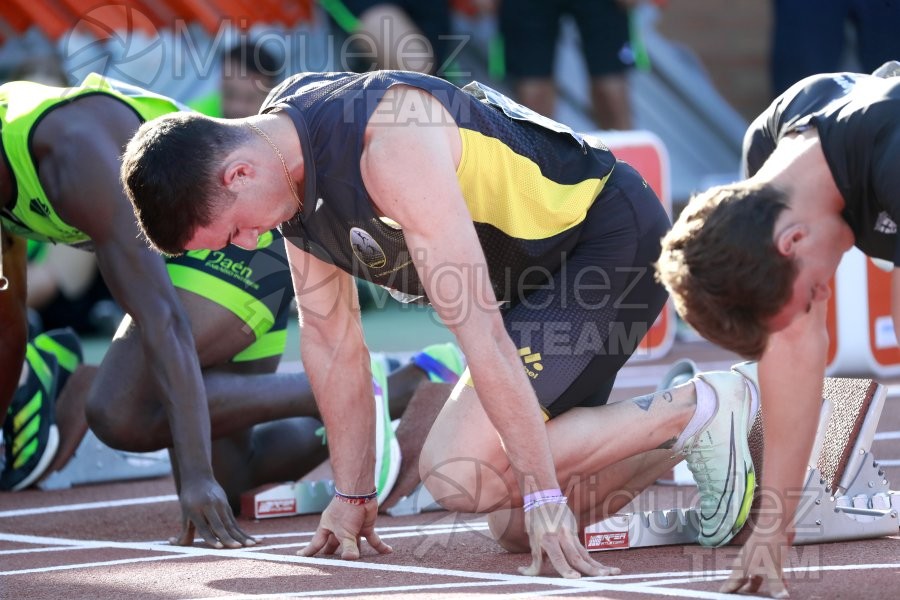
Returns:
(846, 496)
(95, 462)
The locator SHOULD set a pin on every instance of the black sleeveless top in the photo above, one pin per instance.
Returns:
(528, 182)
(857, 118)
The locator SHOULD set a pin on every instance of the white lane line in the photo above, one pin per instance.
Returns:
(24, 512)
(886, 435)
(35, 550)
(583, 584)
(649, 589)
(384, 536)
(107, 563)
(586, 584)
(367, 591)
(722, 575)
(472, 525)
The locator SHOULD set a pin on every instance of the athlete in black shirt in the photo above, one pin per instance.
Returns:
(749, 264)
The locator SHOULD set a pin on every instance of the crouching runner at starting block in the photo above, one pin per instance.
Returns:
(749, 265)
(534, 245)
(195, 359)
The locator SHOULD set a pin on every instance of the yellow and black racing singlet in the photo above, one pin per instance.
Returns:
(22, 106)
(528, 181)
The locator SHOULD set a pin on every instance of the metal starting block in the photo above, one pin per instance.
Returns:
(310, 497)
(95, 462)
(419, 501)
(846, 495)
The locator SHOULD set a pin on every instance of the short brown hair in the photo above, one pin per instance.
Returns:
(722, 267)
(170, 171)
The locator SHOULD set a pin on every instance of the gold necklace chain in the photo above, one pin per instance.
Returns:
(287, 172)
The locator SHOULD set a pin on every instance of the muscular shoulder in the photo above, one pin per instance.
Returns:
(78, 148)
(84, 121)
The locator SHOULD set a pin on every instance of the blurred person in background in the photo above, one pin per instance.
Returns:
(249, 72)
(530, 30)
(809, 37)
(395, 34)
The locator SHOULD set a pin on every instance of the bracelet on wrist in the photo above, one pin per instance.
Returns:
(546, 500)
(355, 499)
(551, 493)
(550, 496)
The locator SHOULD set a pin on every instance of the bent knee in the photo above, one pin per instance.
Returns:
(466, 484)
(116, 427)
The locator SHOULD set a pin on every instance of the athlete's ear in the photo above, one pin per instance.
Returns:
(787, 239)
(236, 174)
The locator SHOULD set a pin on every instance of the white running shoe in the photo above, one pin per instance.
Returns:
(681, 371)
(749, 370)
(719, 458)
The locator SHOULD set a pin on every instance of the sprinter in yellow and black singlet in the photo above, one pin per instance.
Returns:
(534, 190)
(533, 243)
(196, 358)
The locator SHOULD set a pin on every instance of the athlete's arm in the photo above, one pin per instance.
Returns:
(791, 376)
(13, 318)
(409, 168)
(410, 172)
(335, 356)
(81, 174)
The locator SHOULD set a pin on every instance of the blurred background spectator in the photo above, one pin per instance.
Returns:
(530, 30)
(249, 72)
(46, 68)
(395, 34)
(811, 36)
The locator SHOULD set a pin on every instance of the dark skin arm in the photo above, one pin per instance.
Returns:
(79, 146)
(13, 319)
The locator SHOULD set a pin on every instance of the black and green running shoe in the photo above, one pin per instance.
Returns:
(30, 435)
(66, 347)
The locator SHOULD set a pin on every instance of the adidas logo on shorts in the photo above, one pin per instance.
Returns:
(531, 361)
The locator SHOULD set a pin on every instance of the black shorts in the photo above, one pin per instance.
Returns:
(432, 17)
(575, 333)
(530, 29)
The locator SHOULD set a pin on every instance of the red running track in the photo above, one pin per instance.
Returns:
(107, 542)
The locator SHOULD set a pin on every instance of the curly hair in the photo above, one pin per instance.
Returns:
(722, 268)
(170, 171)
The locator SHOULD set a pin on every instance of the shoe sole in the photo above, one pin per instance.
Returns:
(44, 462)
(738, 438)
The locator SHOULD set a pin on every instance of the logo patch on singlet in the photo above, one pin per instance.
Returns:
(367, 249)
(884, 224)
